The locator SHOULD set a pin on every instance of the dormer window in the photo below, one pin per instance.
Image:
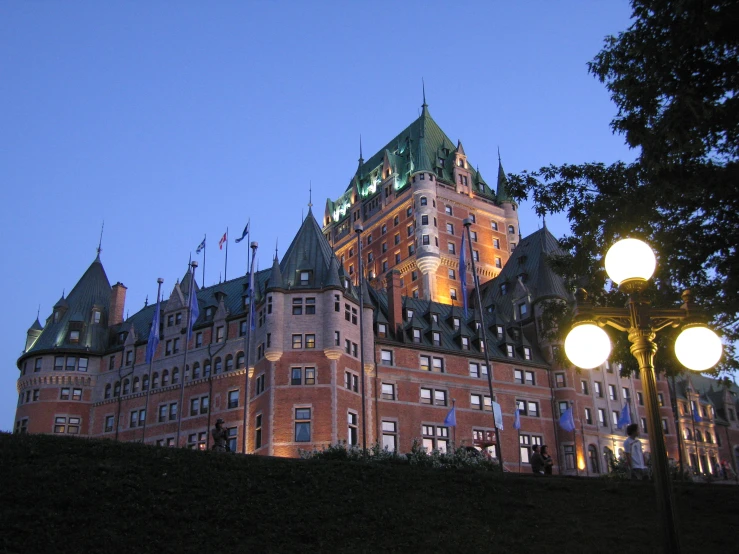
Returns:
(96, 316)
(465, 343)
(409, 314)
(526, 353)
(305, 277)
(74, 336)
(57, 316)
(178, 318)
(435, 318)
(503, 289)
(208, 313)
(522, 309)
(509, 350)
(499, 331)
(416, 335)
(455, 323)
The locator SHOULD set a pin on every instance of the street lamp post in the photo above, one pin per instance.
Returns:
(630, 263)
(358, 229)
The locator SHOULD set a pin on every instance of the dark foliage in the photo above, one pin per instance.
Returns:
(76, 495)
(674, 76)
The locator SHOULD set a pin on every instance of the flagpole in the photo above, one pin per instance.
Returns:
(225, 269)
(454, 429)
(194, 266)
(483, 333)
(584, 446)
(205, 245)
(574, 438)
(151, 365)
(247, 338)
(519, 448)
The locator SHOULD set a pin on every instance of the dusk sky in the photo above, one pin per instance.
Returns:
(173, 120)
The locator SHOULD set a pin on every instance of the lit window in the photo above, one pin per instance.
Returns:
(302, 424)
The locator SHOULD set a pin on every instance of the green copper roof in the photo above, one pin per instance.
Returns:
(421, 146)
(309, 251)
(527, 272)
(75, 313)
(503, 195)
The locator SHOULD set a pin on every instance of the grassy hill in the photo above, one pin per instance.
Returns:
(61, 494)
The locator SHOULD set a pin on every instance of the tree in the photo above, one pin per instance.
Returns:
(674, 76)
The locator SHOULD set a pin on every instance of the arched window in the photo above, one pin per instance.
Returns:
(117, 389)
(709, 438)
(206, 368)
(239, 360)
(196, 370)
(155, 381)
(688, 435)
(229, 362)
(145, 382)
(423, 201)
(136, 384)
(593, 456)
(698, 436)
(217, 366)
(107, 390)
(165, 378)
(126, 386)
(175, 375)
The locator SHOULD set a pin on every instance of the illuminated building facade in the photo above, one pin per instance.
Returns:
(84, 371)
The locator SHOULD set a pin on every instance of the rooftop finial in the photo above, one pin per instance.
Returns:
(361, 158)
(146, 301)
(423, 85)
(499, 162)
(38, 312)
(276, 242)
(100, 243)
(310, 194)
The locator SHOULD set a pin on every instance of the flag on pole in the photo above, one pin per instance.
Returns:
(517, 420)
(567, 422)
(151, 345)
(451, 417)
(696, 416)
(463, 273)
(201, 247)
(223, 240)
(194, 309)
(625, 418)
(498, 413)
(252, 296)
(246, 232)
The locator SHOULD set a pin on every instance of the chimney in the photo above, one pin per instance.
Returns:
(394, 301)
(117, 300)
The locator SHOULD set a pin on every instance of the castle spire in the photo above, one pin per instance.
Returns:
(424, 105)
(361, 158)
(100, 242)
(310, 195)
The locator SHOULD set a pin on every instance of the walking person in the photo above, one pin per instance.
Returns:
(634, 454)
(220, 436)
(547, 459)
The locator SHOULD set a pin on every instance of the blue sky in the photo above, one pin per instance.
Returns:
(170, 120)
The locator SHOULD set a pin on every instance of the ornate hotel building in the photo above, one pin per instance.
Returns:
(84, 371)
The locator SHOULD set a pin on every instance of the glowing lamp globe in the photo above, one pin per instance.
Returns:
(698, 348)
(630, 259)
(587, 345)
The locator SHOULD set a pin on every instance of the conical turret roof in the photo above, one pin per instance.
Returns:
(309, 252)
(92, 290)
